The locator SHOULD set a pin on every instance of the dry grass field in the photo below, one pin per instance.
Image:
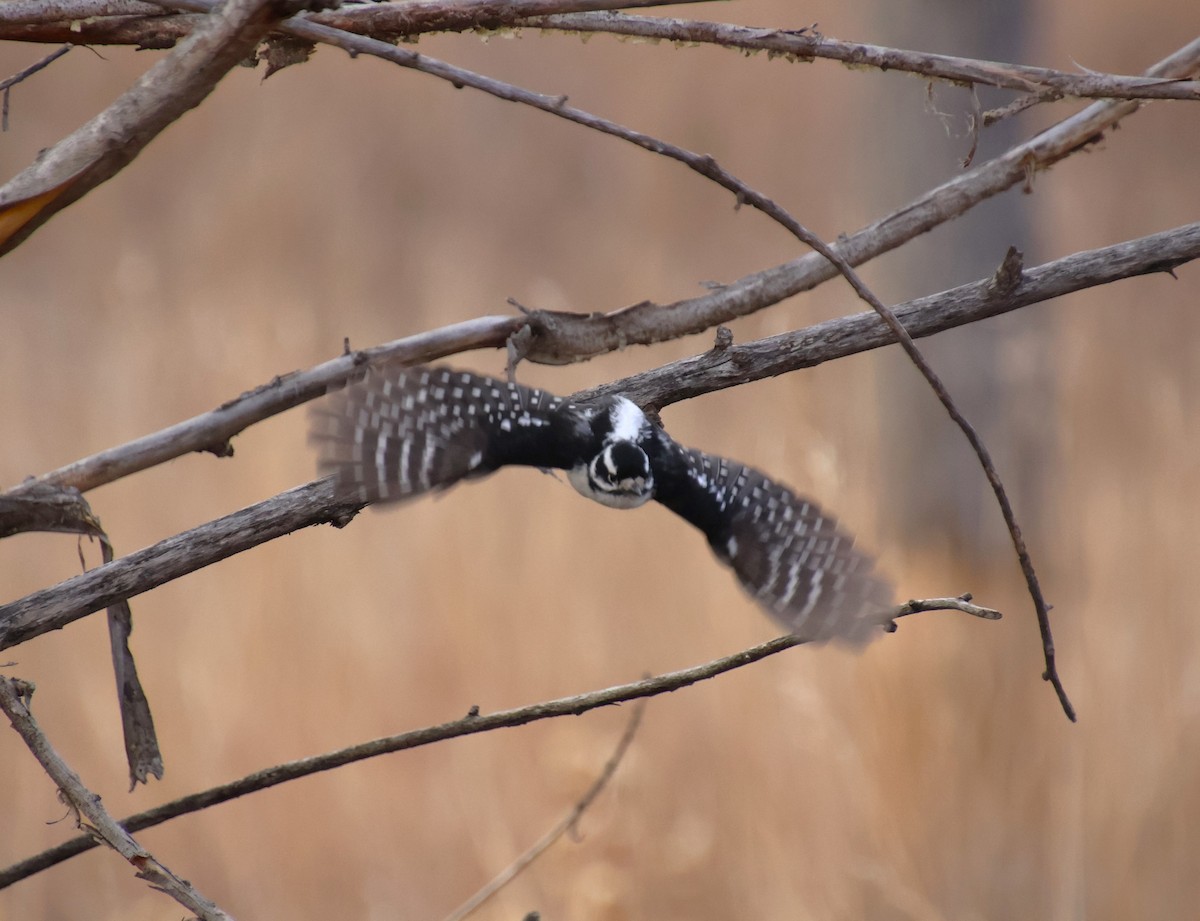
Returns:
(932, 777)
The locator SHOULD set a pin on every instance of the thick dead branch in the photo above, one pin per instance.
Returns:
(55, 607)
(474, 722)
(14, 701)
(402, 20)
(98, 150)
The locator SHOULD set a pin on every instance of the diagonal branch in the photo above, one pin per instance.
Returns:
(472, 723)
(211, 431)
(8, 83)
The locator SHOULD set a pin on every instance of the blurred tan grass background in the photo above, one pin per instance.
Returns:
(932, 777)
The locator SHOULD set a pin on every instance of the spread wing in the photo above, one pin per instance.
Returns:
(401, 431)
(791, 556)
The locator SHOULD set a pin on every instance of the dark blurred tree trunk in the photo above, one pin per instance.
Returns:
(1000, 371)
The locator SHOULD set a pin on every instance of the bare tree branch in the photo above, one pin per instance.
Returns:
(31, 12)
(14, 701)
(472, 723)
(53, 608)
(397, 20)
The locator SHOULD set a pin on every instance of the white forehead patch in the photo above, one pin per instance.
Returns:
(627, 420)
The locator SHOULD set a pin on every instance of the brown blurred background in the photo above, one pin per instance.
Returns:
(932, 777)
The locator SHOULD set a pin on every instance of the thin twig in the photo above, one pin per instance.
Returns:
(14, 701)
(565, 824)
(470, 724)
(10, 82)
(21, 75)
(804, 45)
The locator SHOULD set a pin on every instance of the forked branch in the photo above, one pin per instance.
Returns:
(15, 697)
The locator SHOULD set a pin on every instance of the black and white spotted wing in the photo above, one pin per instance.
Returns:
(399, 432)
(788, 554)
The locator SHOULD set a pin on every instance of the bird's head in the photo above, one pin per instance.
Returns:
(619, 476)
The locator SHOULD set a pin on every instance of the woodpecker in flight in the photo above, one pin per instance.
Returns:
(400, 432)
